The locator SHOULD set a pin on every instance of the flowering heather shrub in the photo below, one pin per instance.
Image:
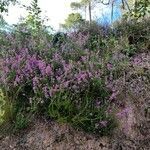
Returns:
(78, 81)
(87, 110)
(33, 81)
(21, 36)
(24, 68)
(80, 38)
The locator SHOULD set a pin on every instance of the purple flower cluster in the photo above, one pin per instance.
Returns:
(79, 38)
(23, 68)
(124, 113)
(101, 124)
(48, 77)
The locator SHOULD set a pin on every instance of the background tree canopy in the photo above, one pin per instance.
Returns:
(5, 3)
(73, 21)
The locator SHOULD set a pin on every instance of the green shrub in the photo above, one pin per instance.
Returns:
(87, 110)
(21, 121)
(62, 107)
(2, 104)
(130, 50)
(6, 108)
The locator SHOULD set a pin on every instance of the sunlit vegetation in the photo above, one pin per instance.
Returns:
(72, 76)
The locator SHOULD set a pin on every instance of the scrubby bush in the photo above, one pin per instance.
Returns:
(72, 82)
(136, 33)
(69, 87)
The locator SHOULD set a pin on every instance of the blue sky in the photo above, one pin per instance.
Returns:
(58, 10)
(106, 17)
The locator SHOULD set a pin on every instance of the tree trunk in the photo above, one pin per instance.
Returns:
(90, 15)
(85, 12)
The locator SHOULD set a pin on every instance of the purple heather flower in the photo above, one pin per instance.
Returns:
(137, 61)
(66, 84)
(81, 77)
(103, 123)
(17, 79)
(53, 90)
(42, 66)
(109, 66)
(35, 81)
(45, 91)
(89, 74)
(58, 78)
(6, 69)
(14, 66)
(124, 112)
(48, 70)
(56, 56)
(29, 68)
(98, 102)
(83, 58)
(18, 58)
(113, 95)
(67, 67)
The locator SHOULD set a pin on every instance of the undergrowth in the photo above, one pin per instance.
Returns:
(70, 80)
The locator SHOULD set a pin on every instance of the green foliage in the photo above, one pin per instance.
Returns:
(82, 111)
(21, 121)
(2, 22)
(4, 5)
(133, 35)
(6, 108)
(79, 5)
(61, 107)
(73, 21)
(2, 104)
(92, 122)
(75, 5)
(139, 8)
(59, 39)
(85, 52)
(34, 20)
(15, 109)
(83, 4)
(30, 32)
(96, 39)
(129, 50)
